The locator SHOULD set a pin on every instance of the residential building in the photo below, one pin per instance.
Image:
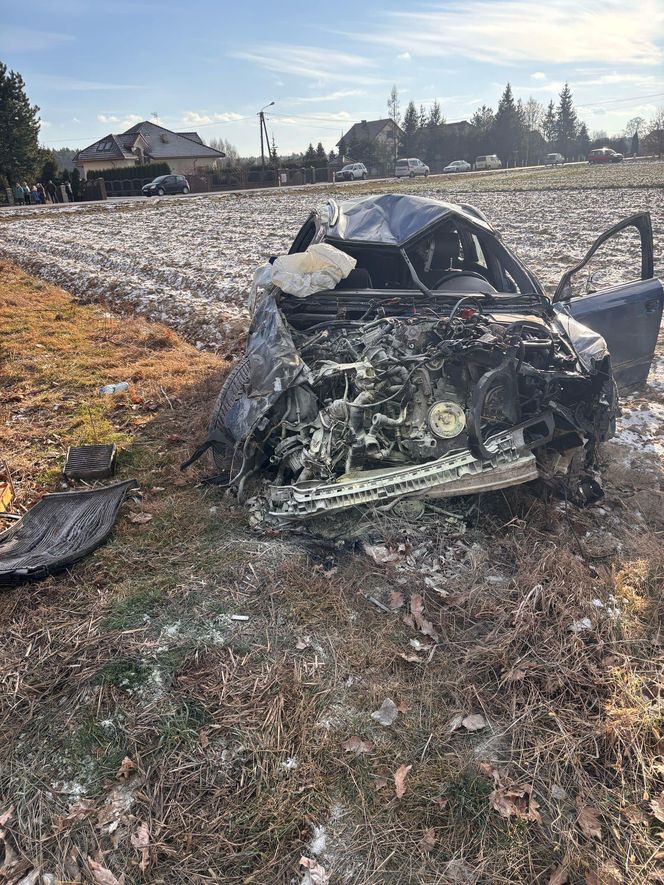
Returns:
(148, 142)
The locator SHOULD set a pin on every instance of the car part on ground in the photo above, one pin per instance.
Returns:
(90, 462)
(6, 488)
(439, 368)
(58, 531)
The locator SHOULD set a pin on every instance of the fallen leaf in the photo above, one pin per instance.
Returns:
(560, 875)
(126, 766)
(558, 792)
(380, 554)
(400, 776)
(455, 723)
(441, 801)
(77, 812)
(356, 745)
(387, 713)
(428, 840)
(474, 722)
(6, 816)
(419, 646)
(605, 876)
(141, 840)
(395, 600)
(411, 659)
(380, 783)
(515, 802)
(102, 876)
(140, 518)
(316, 874)
(416, 605)
(457, 872)
(303, 643)
(588, 821)
(203, 738)
(657, 806)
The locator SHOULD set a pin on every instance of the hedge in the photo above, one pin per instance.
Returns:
(150, 171)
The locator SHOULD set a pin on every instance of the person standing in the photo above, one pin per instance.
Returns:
(18, 194)
(26, 193)
(70, 192)
(52, 192)
(41, 192)
(34, 195)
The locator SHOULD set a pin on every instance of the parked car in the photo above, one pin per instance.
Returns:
(458, 166)
(410, 168)
(166, 184)
(351, 172)
(605, 155)
(438, 367)
(489, 161)
(554, 160)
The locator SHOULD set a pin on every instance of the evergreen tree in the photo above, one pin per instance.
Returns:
(435, 115)
(309, 155)
(582, 140)
(273, 152)
(549, 124)
(566, 122)
(410, 128)
(507, 128)
(421, 118)
(321, 156)
(49, 170)
(331, 157)
(483, 120)
(19, 129)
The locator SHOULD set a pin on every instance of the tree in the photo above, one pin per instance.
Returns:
(19, 129)
(435, 116)
(654, 139)
(549, 124)
(393, 106)
(636, 124)
(483, 120)
(331, 157)
(533, 114)
(273, 152)
(321, 156)
(49, 170)
(410, 130)
(566, 122)
(309, 155)
(422, 117)
(507, 128)
(582, 140)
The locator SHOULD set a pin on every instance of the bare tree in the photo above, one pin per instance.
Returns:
(655, 133)
(636, 124)
(393, 105)
(533, 115)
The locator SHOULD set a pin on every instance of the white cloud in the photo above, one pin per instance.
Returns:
(121, 122)
(14, 38)
(330, 96)
(71, 84)
(539, 75)
(310, 62)
(405, 56)
(512, 31)
(195, 118)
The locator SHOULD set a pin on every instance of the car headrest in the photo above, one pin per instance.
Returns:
(448, 246)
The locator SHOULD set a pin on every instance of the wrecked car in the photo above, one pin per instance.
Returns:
(436, 367)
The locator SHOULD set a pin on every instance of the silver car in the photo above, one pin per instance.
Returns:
(411, 167)
(351, 172)
(458, 166)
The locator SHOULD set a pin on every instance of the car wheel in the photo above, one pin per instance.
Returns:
(426, 174)
(412, 175)
(235, 386)
(161, 191)
(364, 175)
(185, 190)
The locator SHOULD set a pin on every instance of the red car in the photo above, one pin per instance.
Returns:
(604, 155)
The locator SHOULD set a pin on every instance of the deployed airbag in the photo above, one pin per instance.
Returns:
(58, 531)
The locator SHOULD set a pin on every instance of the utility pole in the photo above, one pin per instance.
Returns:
(263, 127)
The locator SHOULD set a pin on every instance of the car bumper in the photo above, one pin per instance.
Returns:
(458, 473)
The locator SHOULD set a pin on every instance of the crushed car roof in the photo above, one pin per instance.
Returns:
(393, 219)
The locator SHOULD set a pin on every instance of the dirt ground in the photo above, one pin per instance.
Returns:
(475, 698)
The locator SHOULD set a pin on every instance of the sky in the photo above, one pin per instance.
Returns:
(99, 67)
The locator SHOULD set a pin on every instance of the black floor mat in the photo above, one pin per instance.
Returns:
(58, 531)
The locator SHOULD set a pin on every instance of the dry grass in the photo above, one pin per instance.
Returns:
(234, 727)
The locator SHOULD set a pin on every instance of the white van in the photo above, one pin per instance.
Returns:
(409, 168)
(489, 161)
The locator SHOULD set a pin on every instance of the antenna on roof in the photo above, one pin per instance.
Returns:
(155, 116)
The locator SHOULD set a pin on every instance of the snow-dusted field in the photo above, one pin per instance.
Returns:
(189, 261)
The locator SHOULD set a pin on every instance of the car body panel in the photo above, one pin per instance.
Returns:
(628, 315)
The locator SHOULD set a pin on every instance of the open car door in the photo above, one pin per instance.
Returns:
(627, 314)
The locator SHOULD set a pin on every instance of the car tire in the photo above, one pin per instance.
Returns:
(235, 386)
(160, 192)
(364, 175)
(185, 190)
(426, 174)
(412, 175)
